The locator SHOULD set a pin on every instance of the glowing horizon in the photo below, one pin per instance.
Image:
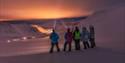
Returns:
(43, 14)
(46, 9)
(40, 9)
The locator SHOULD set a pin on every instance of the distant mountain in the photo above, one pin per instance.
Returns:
(23, 28)
(40, 21)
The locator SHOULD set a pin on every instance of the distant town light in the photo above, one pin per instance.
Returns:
(42, 29)
(24, 38)
(50, 31)
(8, 41)
(16, 39)
(33, 36)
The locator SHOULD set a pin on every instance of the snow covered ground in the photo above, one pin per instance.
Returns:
(110, 27)
(110, 33)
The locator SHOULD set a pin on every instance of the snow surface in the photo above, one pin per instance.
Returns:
(110, 33)
(110, 27)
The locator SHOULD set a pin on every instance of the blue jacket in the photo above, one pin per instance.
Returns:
(85, 35)
(54, 37)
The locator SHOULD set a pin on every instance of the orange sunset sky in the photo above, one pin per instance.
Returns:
(45, 9)
(37, 9)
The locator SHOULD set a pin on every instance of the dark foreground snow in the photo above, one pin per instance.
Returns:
(96, 55)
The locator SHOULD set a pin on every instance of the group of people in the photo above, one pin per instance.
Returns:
(84, 36)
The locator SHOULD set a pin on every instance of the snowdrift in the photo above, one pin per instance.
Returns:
(109, 27)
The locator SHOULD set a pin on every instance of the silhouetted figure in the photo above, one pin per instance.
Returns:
(85, 37)
(92, 36)
(76, 37)
(68, 39)
(54, 37)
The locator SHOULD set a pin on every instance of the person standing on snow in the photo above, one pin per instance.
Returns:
(92, 36)
(68, 39)
(76, 37)
(85, 37)
(54, 37)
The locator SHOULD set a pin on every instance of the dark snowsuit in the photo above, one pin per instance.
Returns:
(76, 37)
(68, 40)
(92, 37)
